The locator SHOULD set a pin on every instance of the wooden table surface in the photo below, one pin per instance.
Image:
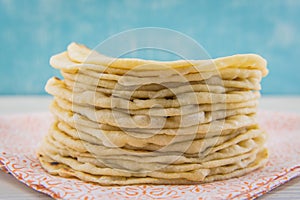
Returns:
(10, 188)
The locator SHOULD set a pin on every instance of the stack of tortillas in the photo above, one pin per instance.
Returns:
(132, 121)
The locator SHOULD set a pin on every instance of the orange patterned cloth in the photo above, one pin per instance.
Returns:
(21, 134)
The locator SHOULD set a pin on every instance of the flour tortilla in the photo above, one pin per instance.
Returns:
(125, 120)
(214, 85)
(59, 141)
(127, 80)
(121, 139)
(183, 110)
(65, 171)
(230, 148)
(187, 147)
(56, 87)
(81, 54)
(183, 170)
(163, 93)
(192, 148)
(217, 126)
(247, 83)
(63, 62)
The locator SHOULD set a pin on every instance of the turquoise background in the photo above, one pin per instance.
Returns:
(33, 30)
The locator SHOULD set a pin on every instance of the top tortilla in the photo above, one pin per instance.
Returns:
(80, 54)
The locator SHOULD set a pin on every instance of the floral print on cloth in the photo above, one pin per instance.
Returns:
(20, 136)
